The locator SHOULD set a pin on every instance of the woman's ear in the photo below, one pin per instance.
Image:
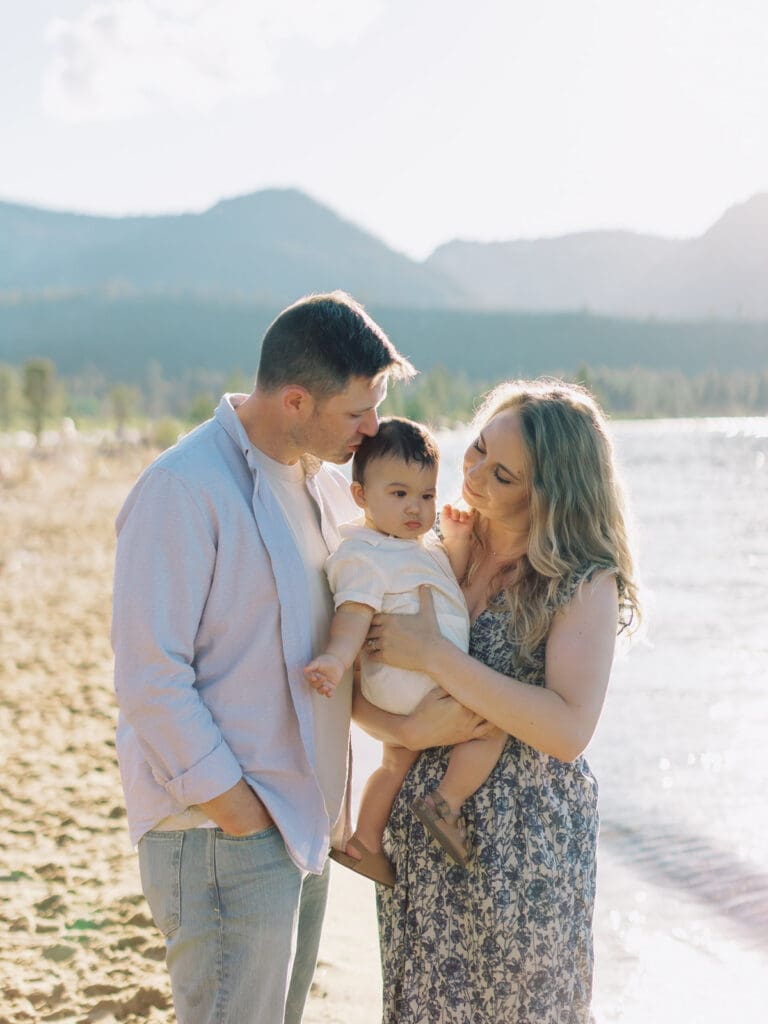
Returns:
(358, 493)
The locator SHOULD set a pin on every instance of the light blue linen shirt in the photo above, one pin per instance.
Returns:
(211, 631)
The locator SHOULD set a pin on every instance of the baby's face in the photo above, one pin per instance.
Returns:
(398, 497)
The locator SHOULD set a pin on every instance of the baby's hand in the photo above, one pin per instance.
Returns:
(456, 523)
(324, 673)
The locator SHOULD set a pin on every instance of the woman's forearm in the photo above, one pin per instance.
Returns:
(437, 721)
(382, 725)
(557, 718)
(535, 715)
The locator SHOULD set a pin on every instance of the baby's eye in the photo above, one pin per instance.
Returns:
(399, 494)
(428, 497)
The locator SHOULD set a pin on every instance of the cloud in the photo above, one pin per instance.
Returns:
(124, 58)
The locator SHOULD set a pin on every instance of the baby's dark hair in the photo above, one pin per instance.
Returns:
(398, 438)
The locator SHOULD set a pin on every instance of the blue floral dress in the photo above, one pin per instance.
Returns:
(509, 940)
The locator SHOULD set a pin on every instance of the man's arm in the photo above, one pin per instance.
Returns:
(165, 561)
(238, 811)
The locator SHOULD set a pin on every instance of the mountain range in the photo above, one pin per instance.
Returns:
(723, 273)
(274, 245)
(271, 246)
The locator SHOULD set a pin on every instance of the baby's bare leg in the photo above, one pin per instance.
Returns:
(469, 765)
(379, 794)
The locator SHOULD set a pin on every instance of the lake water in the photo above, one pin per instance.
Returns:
(681, 752)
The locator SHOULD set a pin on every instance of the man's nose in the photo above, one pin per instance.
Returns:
(369, 424)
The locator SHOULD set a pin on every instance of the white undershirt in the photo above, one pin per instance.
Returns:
(331, 716)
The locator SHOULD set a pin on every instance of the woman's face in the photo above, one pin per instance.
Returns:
(495, 479)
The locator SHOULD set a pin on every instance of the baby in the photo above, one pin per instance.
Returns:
(379, 566)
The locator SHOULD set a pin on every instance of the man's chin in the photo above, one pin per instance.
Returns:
(337, 458)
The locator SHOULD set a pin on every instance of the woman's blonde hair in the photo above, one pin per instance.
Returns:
(577, 518)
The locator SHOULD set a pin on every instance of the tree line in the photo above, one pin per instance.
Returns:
(33, 395)
(121, 334)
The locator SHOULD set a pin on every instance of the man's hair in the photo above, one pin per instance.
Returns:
(396, 438)
(321, 342)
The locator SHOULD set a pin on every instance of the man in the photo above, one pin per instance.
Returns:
(235, 770)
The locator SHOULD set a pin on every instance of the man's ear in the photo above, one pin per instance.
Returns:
(296, 400)
(358, 494)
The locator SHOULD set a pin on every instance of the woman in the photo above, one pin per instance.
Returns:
(549, 584)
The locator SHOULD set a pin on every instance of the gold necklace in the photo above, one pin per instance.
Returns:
(503, 558)
(501, 554)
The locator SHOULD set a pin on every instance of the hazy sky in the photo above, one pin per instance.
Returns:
(420, 120)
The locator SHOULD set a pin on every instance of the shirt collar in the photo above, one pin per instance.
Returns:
(357, 528)
(226, 416)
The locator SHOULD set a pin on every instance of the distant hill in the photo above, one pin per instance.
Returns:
(593, 270)
(271, 246)
(724, 273)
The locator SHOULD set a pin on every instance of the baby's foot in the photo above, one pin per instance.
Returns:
(372, 864)
(442, 823)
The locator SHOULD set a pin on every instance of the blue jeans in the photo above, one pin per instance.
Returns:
(241, 924)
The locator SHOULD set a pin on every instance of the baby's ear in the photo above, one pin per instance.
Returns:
(358, 493)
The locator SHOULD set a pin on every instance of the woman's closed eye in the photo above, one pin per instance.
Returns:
(479, 447)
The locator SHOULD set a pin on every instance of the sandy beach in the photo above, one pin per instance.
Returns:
(78, 941)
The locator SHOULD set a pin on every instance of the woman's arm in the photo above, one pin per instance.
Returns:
(437, 721)
(558, 718)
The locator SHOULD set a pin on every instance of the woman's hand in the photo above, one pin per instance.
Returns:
(437, 721)
(440, 721)
(405, 641)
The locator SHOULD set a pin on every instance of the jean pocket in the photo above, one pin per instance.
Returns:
(160, 870)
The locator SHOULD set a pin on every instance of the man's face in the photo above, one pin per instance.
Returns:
(339, 424)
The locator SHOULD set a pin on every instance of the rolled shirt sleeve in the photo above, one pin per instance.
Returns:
(166, 554)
